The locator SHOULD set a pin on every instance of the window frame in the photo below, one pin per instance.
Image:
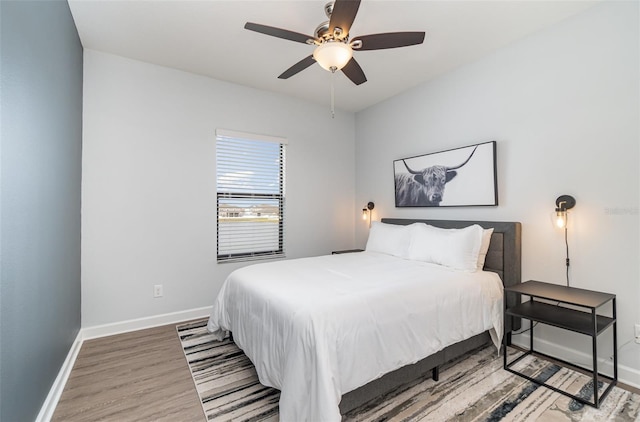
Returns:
(280, 197)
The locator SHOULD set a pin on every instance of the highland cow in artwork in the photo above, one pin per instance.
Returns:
(417, 185)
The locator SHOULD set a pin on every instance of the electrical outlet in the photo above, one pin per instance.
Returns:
(157, 290)
(637, 333)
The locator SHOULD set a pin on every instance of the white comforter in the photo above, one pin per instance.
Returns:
(317, 328)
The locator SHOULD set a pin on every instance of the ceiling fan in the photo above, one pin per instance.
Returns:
(333, 49)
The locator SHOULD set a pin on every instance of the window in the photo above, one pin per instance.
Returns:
(250, 196)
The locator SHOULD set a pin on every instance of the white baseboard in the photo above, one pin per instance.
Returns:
(50, 403)
(141, 323)
(86, 333)
(629, 376)
(626, 375)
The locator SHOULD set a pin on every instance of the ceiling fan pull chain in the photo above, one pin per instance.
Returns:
(333, 99)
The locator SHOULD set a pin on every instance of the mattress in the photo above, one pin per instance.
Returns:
(317, 328)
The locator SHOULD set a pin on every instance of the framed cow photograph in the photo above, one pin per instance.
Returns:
(457, 177)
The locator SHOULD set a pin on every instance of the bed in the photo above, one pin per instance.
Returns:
(334, 331)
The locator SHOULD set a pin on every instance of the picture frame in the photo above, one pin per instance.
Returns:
(469, 174)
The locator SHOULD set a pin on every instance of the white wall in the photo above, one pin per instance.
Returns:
(148, 183)
(563, 106)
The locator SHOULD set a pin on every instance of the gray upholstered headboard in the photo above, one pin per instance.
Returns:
(504, 256)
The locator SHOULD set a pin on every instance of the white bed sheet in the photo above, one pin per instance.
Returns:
(317, 328)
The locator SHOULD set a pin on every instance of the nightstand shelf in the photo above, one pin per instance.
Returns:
(584, 320)
(569, 319)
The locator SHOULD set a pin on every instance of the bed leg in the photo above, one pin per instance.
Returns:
(231, 336)
(435, 373)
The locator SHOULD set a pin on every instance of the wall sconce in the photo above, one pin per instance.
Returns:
(366, 212)
(560, 220)
(563, 203)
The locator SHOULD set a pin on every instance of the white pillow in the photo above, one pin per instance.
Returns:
(484, 247)
(391, 239)
(453, 248)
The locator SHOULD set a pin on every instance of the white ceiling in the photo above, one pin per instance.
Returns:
(207, 37)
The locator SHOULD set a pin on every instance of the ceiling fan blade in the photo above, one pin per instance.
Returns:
(354, 72)
(388, 40)
(278, 32)
(298, 67)
(342, 16)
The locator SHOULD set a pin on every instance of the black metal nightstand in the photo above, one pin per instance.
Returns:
(347, 251)
(587, 322)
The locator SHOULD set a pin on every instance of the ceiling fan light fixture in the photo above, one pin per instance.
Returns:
(333, 55)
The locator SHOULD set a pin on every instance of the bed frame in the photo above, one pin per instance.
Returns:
(503, 258)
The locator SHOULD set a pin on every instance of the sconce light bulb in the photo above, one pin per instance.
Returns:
(561, 219)
(364, 213)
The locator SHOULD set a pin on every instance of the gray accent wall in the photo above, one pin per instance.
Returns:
(41, 145)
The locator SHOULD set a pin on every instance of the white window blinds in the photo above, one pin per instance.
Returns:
(250, 195)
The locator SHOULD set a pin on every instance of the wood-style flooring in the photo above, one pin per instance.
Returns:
(137, 376)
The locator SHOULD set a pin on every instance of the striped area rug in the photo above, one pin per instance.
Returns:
(471, 388)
